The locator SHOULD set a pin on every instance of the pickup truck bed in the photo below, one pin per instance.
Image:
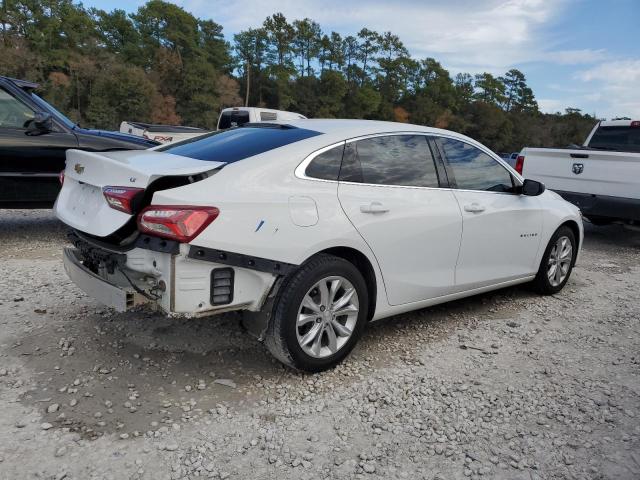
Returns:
(604, 184)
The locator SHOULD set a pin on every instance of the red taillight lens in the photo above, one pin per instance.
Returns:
(519, 164)
(635, 123)
(121, 198)
(181, 223)
(61, 177)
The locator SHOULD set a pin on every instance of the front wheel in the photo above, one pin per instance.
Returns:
(319, 315)
(557, 262)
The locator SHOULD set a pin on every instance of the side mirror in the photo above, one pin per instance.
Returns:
(532, 188)
(41, 123)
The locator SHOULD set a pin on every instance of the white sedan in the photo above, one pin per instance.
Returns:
(312, 228)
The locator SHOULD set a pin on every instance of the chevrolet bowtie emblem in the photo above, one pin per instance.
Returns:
(78, 168)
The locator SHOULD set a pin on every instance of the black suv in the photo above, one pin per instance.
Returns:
(34, 137)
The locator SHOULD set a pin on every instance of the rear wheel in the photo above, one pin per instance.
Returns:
(557, 262)
(319, 315)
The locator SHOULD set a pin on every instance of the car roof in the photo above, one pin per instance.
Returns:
(347, 128)
(24, 84)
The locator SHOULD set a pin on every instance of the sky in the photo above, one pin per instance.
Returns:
(575, 53)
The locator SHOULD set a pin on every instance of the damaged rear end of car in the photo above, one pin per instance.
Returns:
(132, 246)
(102, 199)
(127, 251)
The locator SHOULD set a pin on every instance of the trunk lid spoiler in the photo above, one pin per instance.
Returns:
(81, 203)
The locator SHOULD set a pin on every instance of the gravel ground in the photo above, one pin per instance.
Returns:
(507, 385)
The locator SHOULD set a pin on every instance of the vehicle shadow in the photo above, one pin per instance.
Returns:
(607, 236)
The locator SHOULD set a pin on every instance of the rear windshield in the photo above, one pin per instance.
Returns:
(625, 139)
(229, 146)
(233, 119)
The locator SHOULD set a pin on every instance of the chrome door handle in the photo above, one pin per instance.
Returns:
(373, 207)
(474, 208)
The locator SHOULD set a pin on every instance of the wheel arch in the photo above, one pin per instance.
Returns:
(364, 265)
(573, 225)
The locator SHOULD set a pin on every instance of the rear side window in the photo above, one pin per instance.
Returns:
(473, 169)
(626, 139)
(268, 116)
(326, 166)
(230, 119)
(398, 160)
(237, 143)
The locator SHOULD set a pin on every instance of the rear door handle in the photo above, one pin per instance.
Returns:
(373, 207)
(474, 208)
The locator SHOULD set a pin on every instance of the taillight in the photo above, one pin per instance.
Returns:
(519, 164)
(181, 223)
(61, 177)
(635, 123)
(121, 198)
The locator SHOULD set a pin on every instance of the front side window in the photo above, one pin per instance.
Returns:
(47, 107)
(473, 169)
(326, 166)
(13, 113)
(399, 160)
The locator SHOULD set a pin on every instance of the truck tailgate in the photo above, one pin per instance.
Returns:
(614, 174)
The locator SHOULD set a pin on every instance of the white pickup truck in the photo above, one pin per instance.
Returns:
(229, 117)
(602, 178)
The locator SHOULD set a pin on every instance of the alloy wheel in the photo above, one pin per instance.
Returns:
(560, 259)
(327, 316)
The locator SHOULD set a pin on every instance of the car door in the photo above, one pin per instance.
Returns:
(29, 164)
(390, 189)
(501, 228)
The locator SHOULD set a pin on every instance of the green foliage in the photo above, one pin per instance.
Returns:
(163, 64)
(119, 35)
(159, 63)
(120, 90)
(197, 101)
(281, 35)
(489, 89)
(518, 96)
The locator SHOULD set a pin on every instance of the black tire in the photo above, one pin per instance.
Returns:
(281, 338)
(542, 283)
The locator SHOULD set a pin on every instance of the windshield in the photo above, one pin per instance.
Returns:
(238, 143)
(59, 116)
(625, 139)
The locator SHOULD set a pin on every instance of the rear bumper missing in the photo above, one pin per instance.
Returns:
(173, 281)
(107, 293)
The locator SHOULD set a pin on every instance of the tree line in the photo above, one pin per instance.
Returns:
(161, 64)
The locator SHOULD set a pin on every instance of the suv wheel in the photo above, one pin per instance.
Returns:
(319, 315)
